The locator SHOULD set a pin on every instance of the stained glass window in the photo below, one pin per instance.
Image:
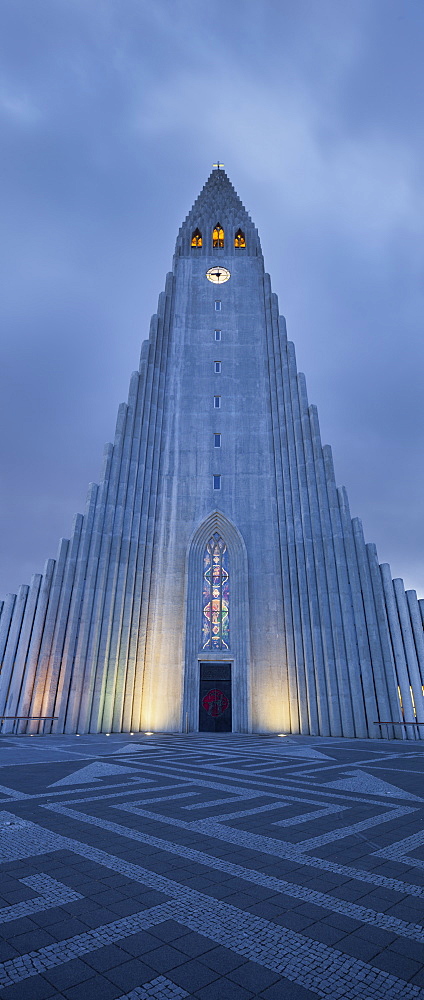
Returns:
(196, 239)
(216, 624)
(218, 236)
(239, 239)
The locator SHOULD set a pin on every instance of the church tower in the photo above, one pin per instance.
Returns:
(216, 580)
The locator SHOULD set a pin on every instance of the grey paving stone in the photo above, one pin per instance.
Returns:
(194, 945)
(129, 974)
(324, 932)
(168, 930)
(359, 947)
(39, 989)
(222, 960)
(32, 940)
(164, 958)
(106, 958)
(296, 921)
(97, 988)
(223, 988)
(418, 979)
(65, 928)
(285, 990)
(253, 977)
(346, 924)
(139, 944)
(411, 949)
(398, 965)
(16, 927)
(7, 951)
(193, 975)
(67, 975)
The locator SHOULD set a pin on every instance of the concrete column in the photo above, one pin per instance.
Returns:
(104, 580)
(119, 560)
(51, 702)
(131, 609)
(314, 569)
(284, 447)
(164, 312)
(417, 629)
(296, 559)
(377, 630)
(43, 661)
(119, 641)
(398, 650)
(135, 662)
(28, 678)
(6, 618)
(353, 669)
(306, 679)
(415, 682)
(276, 340)
(71, 632)
(359, 616)
(91, 612)
(340, 723)
(6, 677)
(17, 674)
(276, 346)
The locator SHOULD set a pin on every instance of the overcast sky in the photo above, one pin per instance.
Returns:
(111, 115)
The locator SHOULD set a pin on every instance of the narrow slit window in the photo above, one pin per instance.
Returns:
(217, 305)
(196, 239)
(217, 402)
(217, 440)
(217, 482)
(218, 236)
(240, 239)
(218, 334)
(217, 366)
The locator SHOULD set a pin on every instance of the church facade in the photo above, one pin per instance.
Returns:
(216, 580)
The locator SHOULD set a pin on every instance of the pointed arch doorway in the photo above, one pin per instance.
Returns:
(217, 630)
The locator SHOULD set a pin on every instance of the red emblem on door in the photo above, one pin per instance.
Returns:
(215, 702)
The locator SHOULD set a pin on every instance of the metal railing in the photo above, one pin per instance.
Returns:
(16, 719)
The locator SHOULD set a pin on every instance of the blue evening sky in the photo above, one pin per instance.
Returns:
(111, 115)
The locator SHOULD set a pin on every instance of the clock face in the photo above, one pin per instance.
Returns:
(218, 275)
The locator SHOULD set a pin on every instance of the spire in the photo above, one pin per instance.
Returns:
(218, 204)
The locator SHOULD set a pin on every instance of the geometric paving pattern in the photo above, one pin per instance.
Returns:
(216, 867)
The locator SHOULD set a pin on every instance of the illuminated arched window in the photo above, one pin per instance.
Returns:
(196, 239)
(239, 239)
(218, 236)
(216, 623)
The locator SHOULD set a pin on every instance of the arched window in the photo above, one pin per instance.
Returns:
(239, 239)
(196, 239)
(216, 622)
(218, 236)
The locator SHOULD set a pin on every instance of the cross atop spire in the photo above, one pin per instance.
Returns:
(218, 165)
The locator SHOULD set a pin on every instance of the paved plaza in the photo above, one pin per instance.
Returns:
(226, 867)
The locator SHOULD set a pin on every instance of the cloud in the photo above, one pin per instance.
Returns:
(18, 107)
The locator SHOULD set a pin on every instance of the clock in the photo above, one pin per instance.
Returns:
(218, 275)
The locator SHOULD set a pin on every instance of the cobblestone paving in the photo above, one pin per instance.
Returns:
(216, 867)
